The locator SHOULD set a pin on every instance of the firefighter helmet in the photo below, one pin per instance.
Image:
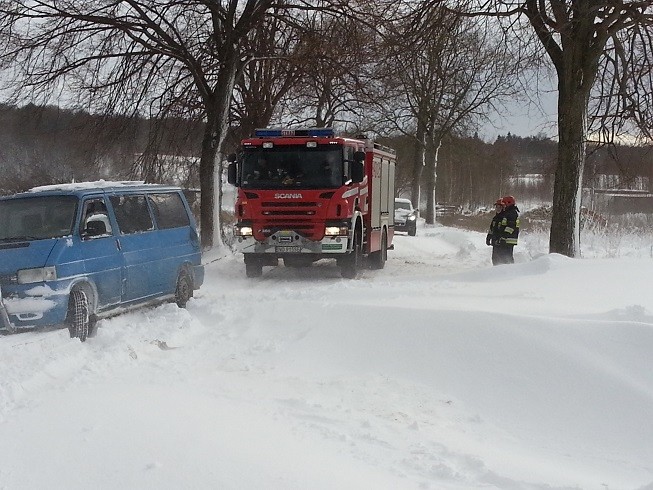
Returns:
(508, 201)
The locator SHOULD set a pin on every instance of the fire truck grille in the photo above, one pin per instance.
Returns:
(281, 224)
(289, 213)
(275, 204)
(297, 216)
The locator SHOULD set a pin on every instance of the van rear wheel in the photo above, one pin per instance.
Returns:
(79, 319)
(184, 289)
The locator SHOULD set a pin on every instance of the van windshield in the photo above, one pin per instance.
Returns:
(37, 218)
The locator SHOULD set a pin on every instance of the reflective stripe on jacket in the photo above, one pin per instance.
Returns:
(504, 228)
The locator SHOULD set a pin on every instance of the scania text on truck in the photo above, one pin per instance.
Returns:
(306, 194)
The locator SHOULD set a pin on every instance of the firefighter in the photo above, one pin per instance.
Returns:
(492, 233)
(263, 170)
(504, 230)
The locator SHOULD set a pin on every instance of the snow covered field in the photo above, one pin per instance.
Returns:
(438, 372)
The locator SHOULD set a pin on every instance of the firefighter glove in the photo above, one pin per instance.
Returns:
(488, 240)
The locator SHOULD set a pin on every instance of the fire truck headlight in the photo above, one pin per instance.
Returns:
(336, 231)
(243, 230)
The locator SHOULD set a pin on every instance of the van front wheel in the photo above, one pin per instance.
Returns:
(184, 290)
(79, 319)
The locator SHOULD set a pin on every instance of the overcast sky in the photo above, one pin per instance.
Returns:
(524, 119)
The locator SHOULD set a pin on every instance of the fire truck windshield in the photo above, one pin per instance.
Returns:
(297, 167)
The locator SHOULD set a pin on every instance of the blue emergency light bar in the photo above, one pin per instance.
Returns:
(310, 132)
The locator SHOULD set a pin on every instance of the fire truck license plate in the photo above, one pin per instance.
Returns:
(288, 249)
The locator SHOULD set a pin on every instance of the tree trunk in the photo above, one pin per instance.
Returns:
(212, 143)
(572, 129)
(431, 158)
(207, 181)
(418, 166)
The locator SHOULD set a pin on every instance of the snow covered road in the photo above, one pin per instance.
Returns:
(439, 372)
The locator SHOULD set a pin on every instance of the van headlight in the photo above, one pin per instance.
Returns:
(42, 274)
(412, 217)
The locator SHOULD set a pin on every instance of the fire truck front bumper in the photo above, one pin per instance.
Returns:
(289, 242)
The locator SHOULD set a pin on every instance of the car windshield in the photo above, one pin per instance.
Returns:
(402, 205)
(284, 167)
(37, 218)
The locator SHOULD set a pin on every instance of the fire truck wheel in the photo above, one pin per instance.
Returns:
(378, 258)
(352, 264)
(253, 269)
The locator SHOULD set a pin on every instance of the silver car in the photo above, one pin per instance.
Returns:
(405, 216)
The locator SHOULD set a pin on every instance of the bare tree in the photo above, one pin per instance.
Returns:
(332, 63)
(621, 110)
(453, 71)
(137, 55)
(180, 58)
(584, 40)
(273, 72)
(575, 38)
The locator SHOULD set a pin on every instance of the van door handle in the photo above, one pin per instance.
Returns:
(118, 246)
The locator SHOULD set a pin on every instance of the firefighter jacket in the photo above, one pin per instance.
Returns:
(504, 228)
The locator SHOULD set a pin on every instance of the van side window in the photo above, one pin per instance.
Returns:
(132, 214)
(95, 219)
(169, 210)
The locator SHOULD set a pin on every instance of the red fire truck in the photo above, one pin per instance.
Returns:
(306, 195)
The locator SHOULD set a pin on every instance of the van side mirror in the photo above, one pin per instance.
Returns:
(359, 156)
(232, 173)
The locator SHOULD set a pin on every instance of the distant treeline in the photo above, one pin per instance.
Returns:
(473, 173)
(43, 145)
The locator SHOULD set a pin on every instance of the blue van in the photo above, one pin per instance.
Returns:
(73, 253)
